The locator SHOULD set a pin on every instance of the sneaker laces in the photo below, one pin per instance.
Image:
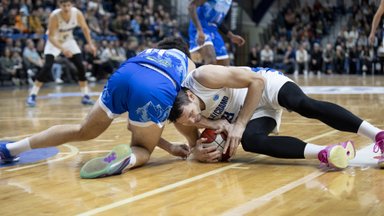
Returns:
(323, 156)
(379, 145)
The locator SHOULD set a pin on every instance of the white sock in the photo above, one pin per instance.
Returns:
(84, 90)
(18, 147)
(368, 130)
(311, 151)
(35, 90)
(132, 162)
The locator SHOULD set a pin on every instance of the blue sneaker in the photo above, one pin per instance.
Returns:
(112, 164)
(86, 100)
(31, 100)
(5, 155)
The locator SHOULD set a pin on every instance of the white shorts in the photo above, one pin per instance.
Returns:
(269, 104)
(70, 45)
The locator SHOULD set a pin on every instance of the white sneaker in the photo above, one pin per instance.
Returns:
(59, 81)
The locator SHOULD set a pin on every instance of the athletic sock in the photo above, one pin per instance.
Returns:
(35, 90)
(84, 90)
(311, 151)
(368, 130)
(18, 147)
(132, 162)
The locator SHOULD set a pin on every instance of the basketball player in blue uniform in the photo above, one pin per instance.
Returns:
(145, 86)
(204, 39)
(247, 103)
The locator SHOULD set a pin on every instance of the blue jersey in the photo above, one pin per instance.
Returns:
(213, 12)
(173, 62)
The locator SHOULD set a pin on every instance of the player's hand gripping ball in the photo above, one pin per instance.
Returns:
(217, 140)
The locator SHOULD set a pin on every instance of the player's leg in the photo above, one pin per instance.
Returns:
(292, 97)
(147, 115)
(255, 139)
(222, 57)
(42, 76)
(206, 52)
(96, 122)
(77, 60)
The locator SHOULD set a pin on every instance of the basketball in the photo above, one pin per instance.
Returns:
(217, 140)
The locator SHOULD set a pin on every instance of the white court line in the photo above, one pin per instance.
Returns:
(257, 202)
(157, 191)
(74, 151)
(364, 157)
(186, 181)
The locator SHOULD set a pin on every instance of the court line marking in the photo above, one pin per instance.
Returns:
(259, 201)
(158, 190)
(364, 157)
(183, 182)
(73, 151)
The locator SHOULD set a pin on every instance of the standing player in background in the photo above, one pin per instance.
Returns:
(376, 21)
(204, 39)
(61, 23)
(145, 86)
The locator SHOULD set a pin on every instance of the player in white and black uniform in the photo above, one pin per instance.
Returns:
(247, 104)
(61, 23)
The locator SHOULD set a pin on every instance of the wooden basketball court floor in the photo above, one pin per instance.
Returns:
(250, 184)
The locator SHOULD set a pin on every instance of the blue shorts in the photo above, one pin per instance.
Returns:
(212, 37)
(146, 94)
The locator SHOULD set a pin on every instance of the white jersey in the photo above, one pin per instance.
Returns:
(64, 31)
(64, 34)
(219, 103)
(227, 102)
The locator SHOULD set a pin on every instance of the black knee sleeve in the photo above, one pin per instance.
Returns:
(45, 75)
(77, 60)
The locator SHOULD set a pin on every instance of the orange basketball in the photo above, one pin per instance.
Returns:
(216, 139)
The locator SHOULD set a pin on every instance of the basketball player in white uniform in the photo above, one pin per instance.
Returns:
(247, 104)
(61, 23)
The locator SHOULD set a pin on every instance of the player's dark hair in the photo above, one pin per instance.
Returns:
(174, 43)
(181, 100)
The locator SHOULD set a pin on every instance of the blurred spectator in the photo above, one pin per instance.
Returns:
(254, 57)
(10, 67)
(267, 57)
(289, 60)
(316, 59)
(339, 60)
(302, 60)
(35, 25)
(328, 55)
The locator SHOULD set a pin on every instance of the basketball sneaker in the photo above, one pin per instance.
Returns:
(379, 145)
(334, 156)
(31, 100)
(112, 164)
(350, 148)
(86, 100)
(5, 155)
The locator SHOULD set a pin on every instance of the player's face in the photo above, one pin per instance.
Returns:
(66, 6)
(191, 114)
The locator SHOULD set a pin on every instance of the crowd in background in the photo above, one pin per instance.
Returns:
(119, 29)
(296, 44)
